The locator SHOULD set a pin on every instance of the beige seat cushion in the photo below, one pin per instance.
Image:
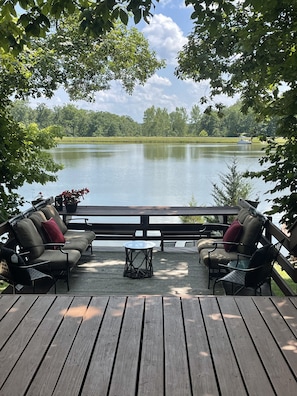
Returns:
(207, 243)
(218, 256)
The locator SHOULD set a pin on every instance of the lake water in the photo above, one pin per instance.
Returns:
(149, 174)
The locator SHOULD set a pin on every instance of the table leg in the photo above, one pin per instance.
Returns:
(144, 268)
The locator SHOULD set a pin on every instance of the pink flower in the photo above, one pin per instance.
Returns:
(73, 196)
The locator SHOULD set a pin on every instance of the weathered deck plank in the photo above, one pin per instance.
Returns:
(151, 376)
(282, 322)
(118, 345)
(227, 371)
(13, 315)
(177, 379)
(249, 363)
(125, 372)
(275, 365)
(202, 372)
(53, 361)
(103, 358)
(14, 367)
(74, 370)
(6, 304)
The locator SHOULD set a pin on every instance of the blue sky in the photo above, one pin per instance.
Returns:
(166, 34)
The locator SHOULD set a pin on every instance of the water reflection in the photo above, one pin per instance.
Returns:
(214, 150)
(164, 151)
(69, 154)
(196, 151)
(147, 174)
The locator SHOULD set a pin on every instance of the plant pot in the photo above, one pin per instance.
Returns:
(71, 207)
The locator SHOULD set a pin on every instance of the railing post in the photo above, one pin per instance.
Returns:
(144, 221)
(267, 234)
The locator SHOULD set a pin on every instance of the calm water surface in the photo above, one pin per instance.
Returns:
(148, 174)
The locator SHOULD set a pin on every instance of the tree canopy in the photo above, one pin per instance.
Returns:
(81, 45)
(20, 21)
(248, 47)
(156, 122)
(83, 65)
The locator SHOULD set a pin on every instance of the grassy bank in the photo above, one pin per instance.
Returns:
(275, 289)
(152, 139)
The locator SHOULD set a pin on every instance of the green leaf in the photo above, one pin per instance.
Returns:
(137, 16)
(33, 29)
(124, 17)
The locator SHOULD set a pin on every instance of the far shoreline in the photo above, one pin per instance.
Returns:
(154, 139)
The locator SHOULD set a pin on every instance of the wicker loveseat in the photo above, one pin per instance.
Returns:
(240, 237)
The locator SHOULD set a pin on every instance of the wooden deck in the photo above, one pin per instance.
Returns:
(65, 345)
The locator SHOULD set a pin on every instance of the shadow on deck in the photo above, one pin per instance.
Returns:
(177, 272)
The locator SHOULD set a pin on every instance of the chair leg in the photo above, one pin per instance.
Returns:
(269, 284)
(237, 291)
(67, 279)
(214, 285)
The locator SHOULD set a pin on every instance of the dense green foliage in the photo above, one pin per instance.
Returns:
(81, 46)
(24, 160)
(232, 186)
(249, 48)
(20, 21)
(156, 122)
(84, 65)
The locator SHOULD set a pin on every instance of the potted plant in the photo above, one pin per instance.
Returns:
(72, 197)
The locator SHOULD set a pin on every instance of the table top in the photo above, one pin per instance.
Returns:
(139, 245)
(242, 263)
(151, 210)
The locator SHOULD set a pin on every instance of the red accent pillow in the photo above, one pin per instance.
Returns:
(53, 231)
(232, 234)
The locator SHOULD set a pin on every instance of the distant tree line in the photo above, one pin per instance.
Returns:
(230, 122)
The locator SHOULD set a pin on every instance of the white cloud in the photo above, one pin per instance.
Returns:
(203, 89)
(165, 3)
(155, 79)
(172, 4)
(159, 91)
(165, 37)
(163, 89)
(153, 93)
